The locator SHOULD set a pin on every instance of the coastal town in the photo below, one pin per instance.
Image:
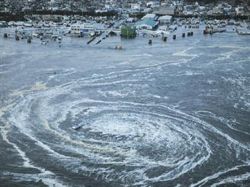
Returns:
(170, 7)
(97, 20)
(124, 93)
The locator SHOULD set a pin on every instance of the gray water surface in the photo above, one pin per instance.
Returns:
(170, 114)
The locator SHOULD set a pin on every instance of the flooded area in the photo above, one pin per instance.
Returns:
(173, 113)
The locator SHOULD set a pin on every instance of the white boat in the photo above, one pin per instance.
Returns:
(77, 127)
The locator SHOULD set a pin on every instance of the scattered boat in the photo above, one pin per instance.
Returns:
(77, 127)
(118, 47)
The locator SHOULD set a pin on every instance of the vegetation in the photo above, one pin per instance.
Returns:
(128, 32)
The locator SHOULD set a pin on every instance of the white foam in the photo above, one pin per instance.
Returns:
(215, 176)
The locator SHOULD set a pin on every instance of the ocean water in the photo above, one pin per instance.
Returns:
(170, 114)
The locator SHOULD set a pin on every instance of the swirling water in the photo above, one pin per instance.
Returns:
(170, 114)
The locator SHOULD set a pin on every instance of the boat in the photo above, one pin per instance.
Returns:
(77, 127)
(118, 47)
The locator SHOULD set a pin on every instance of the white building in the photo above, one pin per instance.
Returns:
(150, 16)
(153, 4)
(148, 24)
(135, 6)
(165, 19)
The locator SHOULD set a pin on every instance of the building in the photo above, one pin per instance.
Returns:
(153, 4)
(165, 20)
(166, 11)
(135, 6)
(150, 16)
(148, 23)
(216, 11)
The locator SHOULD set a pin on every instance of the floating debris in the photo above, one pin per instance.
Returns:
(164, 38)
(98, 42)
(118, 47)
(17, 38)
(94, 37)
(29, 40)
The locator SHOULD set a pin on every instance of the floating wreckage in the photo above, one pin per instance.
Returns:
(17, 38)
(5, 35)
(164, 38)
(96, 35)
(150, 42)
(29, 39)
(101, 37)
(118, 47)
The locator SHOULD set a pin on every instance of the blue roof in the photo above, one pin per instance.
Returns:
(149, 21)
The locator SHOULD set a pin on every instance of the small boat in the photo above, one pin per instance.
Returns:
(77, 127)
(118, 47)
